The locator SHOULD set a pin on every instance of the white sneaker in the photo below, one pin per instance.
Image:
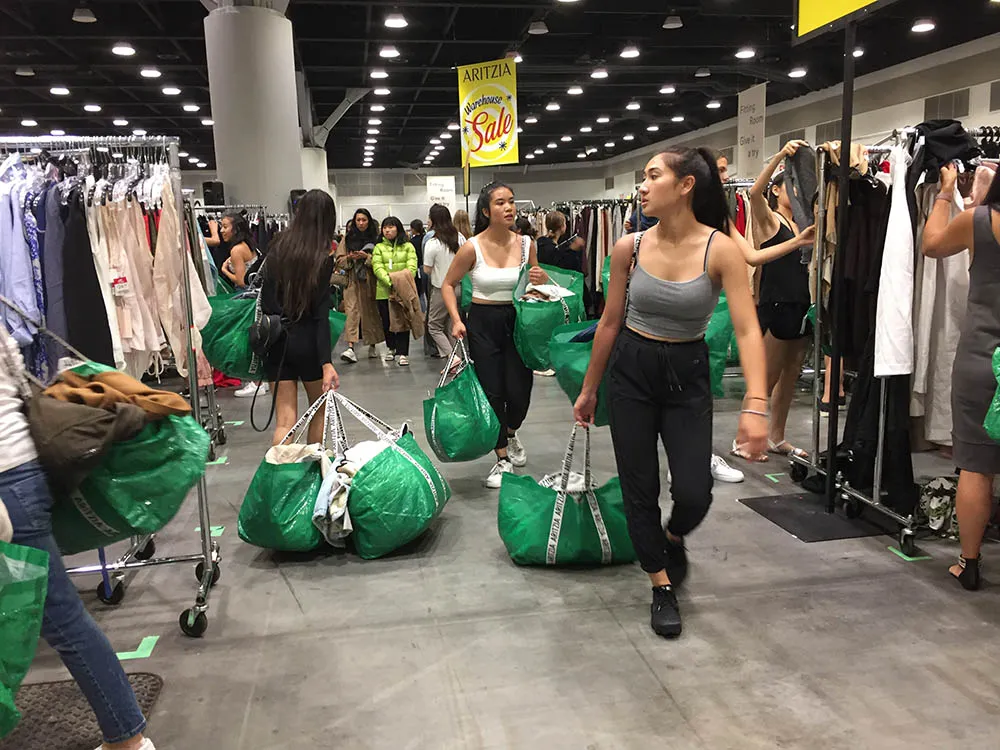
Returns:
(349, 355)
(723, 472)
(147, 744)
(250, 389)
(515, 451)
(545, 373)
(495, 477)
(372, 352)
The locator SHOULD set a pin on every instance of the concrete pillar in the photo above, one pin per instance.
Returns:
(314, 172)
(251, 75)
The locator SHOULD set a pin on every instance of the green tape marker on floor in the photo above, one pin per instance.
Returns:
(216, 530)
(144, 651)
(774, 477)
(219, 461)
(906, 557)
(236, 424)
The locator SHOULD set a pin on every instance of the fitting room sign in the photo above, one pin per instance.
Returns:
(815, 17)
(441, 189)
(487, 101)
(750, 131)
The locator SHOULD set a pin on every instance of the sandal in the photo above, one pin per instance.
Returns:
(784, 448)
(970, 573)
(739, 452)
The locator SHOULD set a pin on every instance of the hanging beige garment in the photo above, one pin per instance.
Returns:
(99, 250)
(132, 230)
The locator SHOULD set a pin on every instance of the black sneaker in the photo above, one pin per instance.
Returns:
(665, 614)
(677, 562)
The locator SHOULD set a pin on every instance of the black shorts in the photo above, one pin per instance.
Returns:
(786, 321)
(295, 357)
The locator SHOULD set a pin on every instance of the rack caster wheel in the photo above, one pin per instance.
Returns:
(853, 508)
(798, 473)
(199, 572)
(907, 543)
(220, 437)
(117, 593)
(193, 625)
(211, 452)
(146, 552)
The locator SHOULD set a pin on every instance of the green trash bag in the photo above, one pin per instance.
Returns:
(396, 495)
(24, 579)
(570, 359)
(718, 337)
(540, 525)
(277, 510)
(537, 320)
(606, 275)
(466, 300)
(992, 421)
(136, 489)
(459, 422)
(225, 339)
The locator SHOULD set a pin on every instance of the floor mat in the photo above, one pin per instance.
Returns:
(56, 715)
(804, 517)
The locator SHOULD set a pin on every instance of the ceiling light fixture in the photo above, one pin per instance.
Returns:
(628, 137)
(539, 150)
(374, 121)
(193, 160)
(592, 150)
(117, 155)
(382, 92)
(859, 51)
(574, 90)
(797, 73)
(566, 138)
(435, 142)
(59, 91)
(201, 165)
(552, 145)
(83, 14)
(454, 126)
(191, 108)
(677, 118)
(379, 74)
(395, 21)
(57, 132)
(91, 107)
(633, 106)
(140, 132)
(599, 73)
(581, 155)
(531, 120)
(603, 120)
(629, 52)
(371, 140)
(713, 105)
(538, 28)
(653, 128)
(372, 131)
(208, 123)
(24, 71)
(120, 123)
(586, 129)
(746, 53)
(520, 129)
(366, 165)
(518, 57)
(923, 25)
(183, 154)
(171, 91)
(123, 49)
(150, 73)
(529, 156)
(668, 88)
(673, 22)
(378, 108)
(609, 144)
(552, 106)
(388, 52)
(703, 73)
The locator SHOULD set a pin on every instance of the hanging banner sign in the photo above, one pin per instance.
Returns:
(815, 17)
(441, 189)
(487, 101)
(750, 130)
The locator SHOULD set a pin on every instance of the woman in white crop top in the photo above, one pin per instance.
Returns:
(493, 259)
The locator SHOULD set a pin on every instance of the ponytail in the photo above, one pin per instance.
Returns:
(708, 199)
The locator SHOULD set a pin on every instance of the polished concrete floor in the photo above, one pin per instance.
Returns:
(449, 645)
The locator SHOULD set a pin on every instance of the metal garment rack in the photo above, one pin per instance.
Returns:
(193, 621)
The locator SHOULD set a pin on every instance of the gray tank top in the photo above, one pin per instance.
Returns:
(677, 310)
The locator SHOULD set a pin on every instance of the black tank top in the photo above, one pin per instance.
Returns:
(785, 279)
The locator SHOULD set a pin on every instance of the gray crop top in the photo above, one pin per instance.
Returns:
(678, 310)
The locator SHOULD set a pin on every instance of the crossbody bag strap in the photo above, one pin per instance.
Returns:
(631, 269)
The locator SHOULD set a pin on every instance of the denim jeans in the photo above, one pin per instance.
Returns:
(66, 625)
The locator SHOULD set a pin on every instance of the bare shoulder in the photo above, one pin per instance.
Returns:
(723, 254)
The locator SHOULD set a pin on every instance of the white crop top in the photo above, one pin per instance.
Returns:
(496, 284)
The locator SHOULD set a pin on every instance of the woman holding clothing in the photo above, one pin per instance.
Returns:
(783, 302)
(235, 232)
(973, 381)
(297, 287)
(439, 252)
(393, 253)
(665, 284)
(493, 259)
(354, 257)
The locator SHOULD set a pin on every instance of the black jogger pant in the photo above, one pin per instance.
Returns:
(397, 342)
(504, 377)
(660, 390)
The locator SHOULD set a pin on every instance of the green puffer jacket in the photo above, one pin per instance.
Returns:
(389, 258)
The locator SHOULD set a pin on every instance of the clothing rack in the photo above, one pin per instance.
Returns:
(193, 621)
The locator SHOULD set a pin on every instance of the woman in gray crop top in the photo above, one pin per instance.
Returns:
(650, 346)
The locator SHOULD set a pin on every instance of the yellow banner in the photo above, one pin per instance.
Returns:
(487, 101)
(815, 14)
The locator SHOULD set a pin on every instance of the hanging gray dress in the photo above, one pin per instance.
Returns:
(973, 381)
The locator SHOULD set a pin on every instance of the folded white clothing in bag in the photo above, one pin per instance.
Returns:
(574, 484)
(296, 453)
(364, 452)
(6, 528)
(552, 291)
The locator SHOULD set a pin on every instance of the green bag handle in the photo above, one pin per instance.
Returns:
(460, 353)
(555, 529)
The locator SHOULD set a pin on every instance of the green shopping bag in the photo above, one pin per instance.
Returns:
(718, 337)
(24, 578)
(223, 286)
(466, 300)
(277, 510)
(537, 320)
(546, 526)
(606, 275)
(570, 359)
(459, 422)
(396, 495)
(992, 421)
(136, 489)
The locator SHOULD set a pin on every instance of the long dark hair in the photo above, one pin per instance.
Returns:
(444, 229)
(708, 199)
(392, 221)
(992, 198)
(354, 238)
(241, 229)
(772, 199)
(300, 253)
(483, 204)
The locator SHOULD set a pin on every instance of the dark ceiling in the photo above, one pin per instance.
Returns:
(337, 45)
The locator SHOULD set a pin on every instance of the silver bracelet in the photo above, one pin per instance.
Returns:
(754, 411)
